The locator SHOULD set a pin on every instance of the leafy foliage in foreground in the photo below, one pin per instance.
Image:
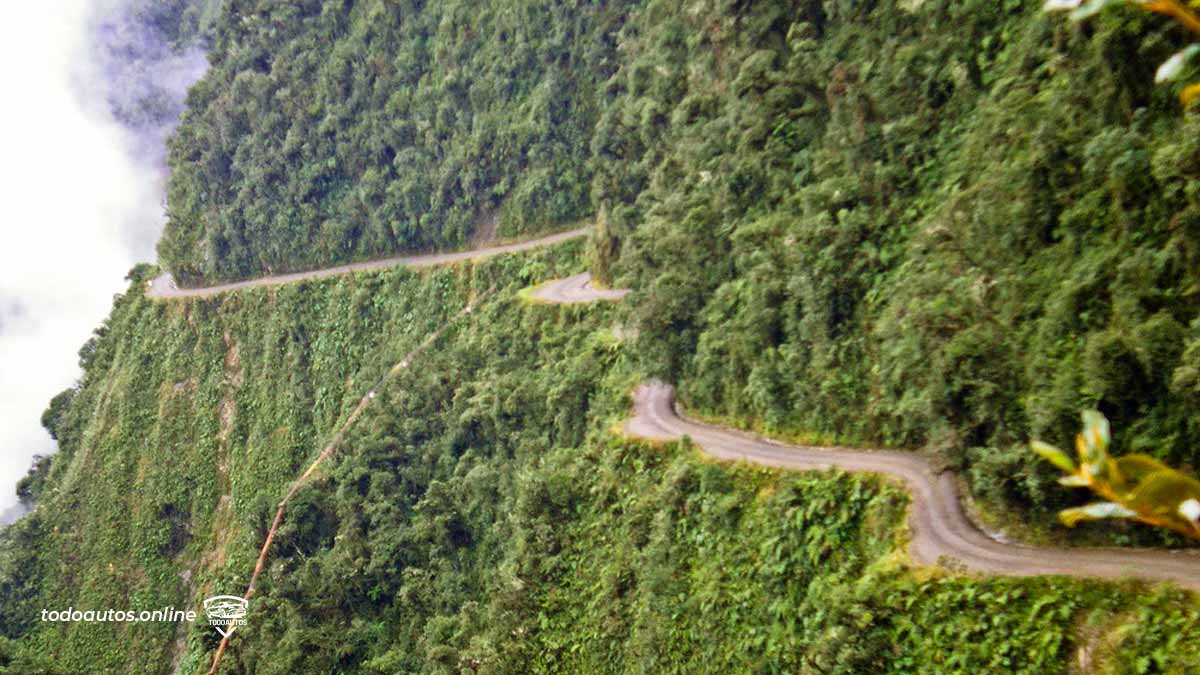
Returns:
(1137, 486)
(1181, 12)
(481, 515)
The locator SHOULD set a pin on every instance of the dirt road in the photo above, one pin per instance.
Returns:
(575, 290)
(939, 526)
(164, 286)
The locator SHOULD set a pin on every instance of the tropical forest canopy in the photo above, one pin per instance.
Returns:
(332, 131)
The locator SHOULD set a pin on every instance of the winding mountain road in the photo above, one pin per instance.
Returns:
(575, 290)
(939, 526)
(164, 286)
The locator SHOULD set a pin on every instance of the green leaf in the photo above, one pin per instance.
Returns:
(1054, 456)
(1096, 430)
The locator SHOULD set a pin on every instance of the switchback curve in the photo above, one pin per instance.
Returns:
(575, 290)
(936, 518)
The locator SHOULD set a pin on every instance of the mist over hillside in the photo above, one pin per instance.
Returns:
(110, 79)
(146, 55)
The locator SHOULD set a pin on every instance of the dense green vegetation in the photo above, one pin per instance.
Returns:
(482, 514)
(946, 226)
(937, 225)
(327, 131)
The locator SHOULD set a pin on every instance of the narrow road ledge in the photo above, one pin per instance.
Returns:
(939, 526)
(164, 287)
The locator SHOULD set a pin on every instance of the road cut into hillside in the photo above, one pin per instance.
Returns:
(940, 528)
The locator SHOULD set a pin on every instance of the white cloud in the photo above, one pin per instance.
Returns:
(77, 214)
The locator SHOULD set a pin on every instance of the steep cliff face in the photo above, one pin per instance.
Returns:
(481, 513)
(937, 225)
(192, 419)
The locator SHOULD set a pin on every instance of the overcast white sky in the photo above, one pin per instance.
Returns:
(76, 214)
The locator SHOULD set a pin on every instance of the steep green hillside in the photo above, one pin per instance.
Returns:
(482, 514)
(938, 225)
(338, 130)
(945, 226)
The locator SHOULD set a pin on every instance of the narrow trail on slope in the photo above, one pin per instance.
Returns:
(575, 290)
(332, 447)
(939, 525)
(164, 287)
